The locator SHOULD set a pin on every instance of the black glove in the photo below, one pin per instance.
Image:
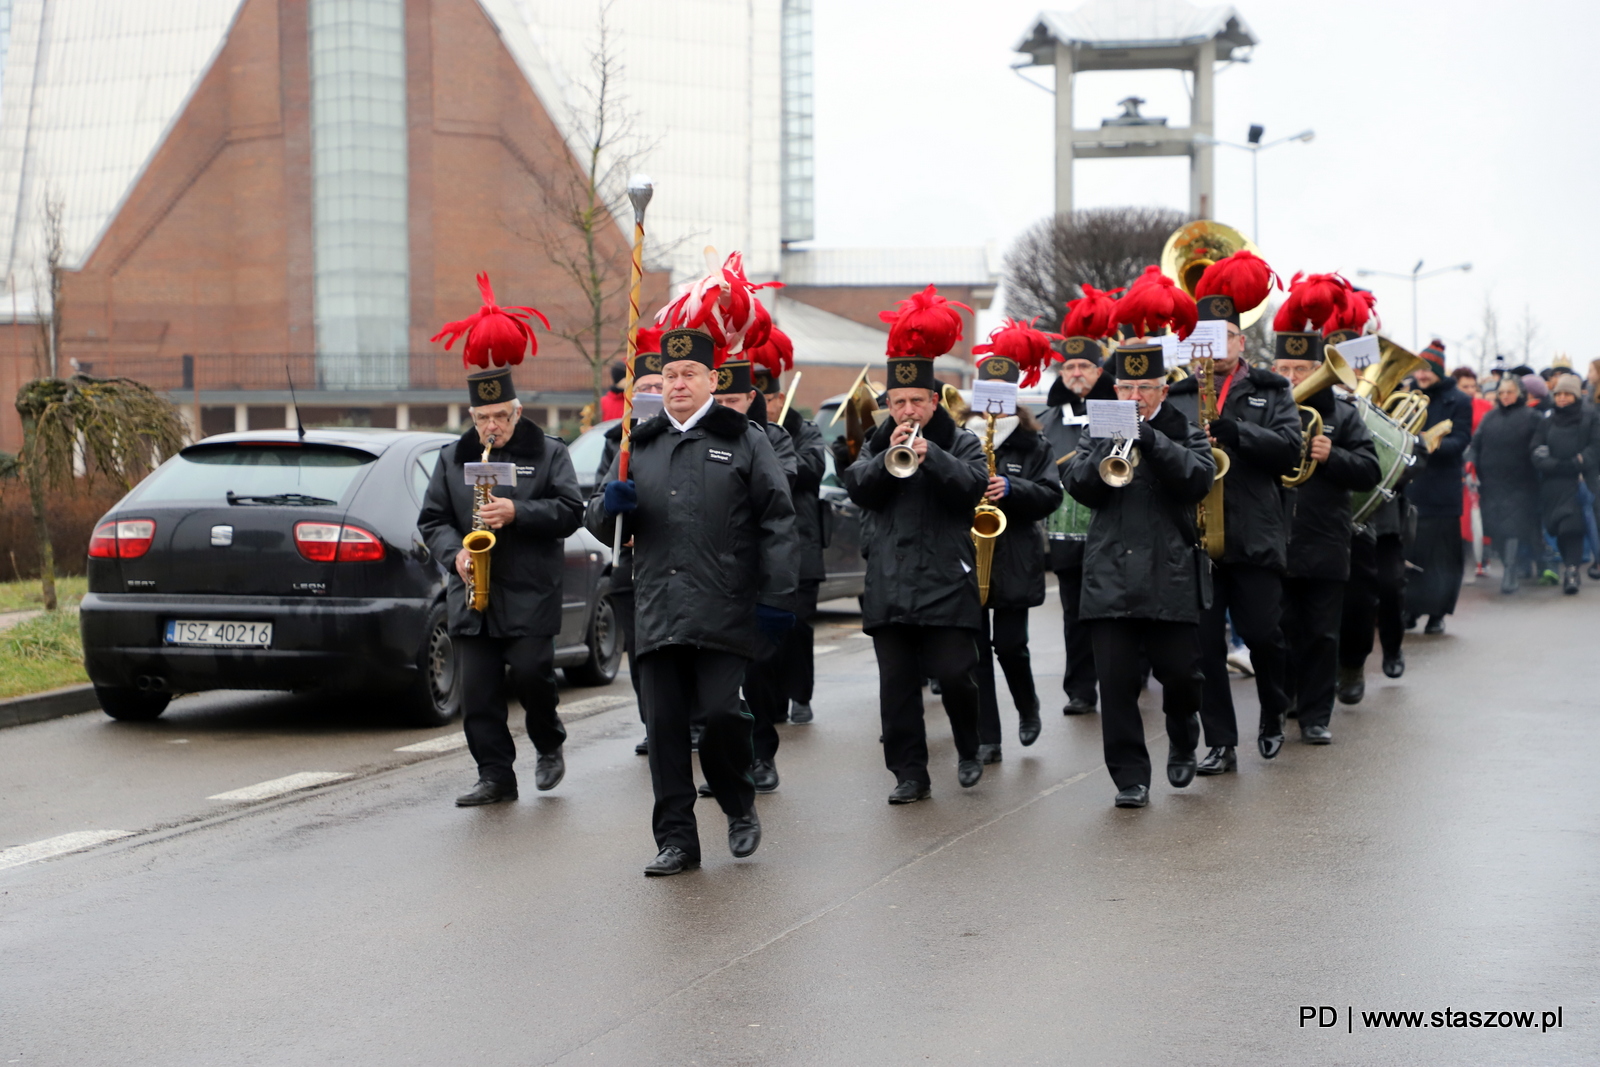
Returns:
(1147, 434)
(1226, 431)
(841, 454)
(620, 497)
(773, 622)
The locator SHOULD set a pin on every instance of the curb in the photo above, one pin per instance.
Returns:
(53, 704)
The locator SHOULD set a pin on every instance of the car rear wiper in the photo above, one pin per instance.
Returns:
(278, 498)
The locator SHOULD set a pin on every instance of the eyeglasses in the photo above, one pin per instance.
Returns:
(1147, 388)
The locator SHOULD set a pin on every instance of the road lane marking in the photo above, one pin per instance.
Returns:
(57, 846)
(279, 786)
(447, 743)
(823, 650)
(594, 705)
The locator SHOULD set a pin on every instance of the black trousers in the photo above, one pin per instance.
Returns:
(675, 680)
(1079, 681)
(764, 697)
(906, 656)
(1254, 596)
(622, 609)
(1312, 608)
(1437, 551)
(1120, 650)
(1571, 545)
(1374, 598)
(1005, 638)
(483, 663)
(799, 669)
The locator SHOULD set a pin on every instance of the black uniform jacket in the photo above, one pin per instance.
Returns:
(1024, 458)
(1508, 486)
(812, 463)
(713, 534)
(1436, 479)
(1564, 450)
(1064, 420)
(1254, 502)
(916, 532)
(528, 560)
(1141, 560)
(1319, 539)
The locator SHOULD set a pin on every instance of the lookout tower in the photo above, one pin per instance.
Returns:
(1138, 35)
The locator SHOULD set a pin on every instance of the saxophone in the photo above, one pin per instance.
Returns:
(1208, 518)
(988, 521)
(481, 539)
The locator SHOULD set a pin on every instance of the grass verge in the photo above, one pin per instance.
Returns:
(25, 595)
(41, 653)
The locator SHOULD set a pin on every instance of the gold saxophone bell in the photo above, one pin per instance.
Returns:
(1436, 433)
(1333, 369)
(1196, 245)
(901, 460)
(480, 539)
(1116, 470)
(988, 522)
(1381, 379)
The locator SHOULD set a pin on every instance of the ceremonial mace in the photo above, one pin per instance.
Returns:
(639, 192)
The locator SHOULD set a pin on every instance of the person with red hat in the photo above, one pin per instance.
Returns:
(1435, 553)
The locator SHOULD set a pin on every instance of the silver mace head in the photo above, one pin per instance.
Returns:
(640, 189)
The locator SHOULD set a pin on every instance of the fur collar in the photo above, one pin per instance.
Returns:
(941, 430)
(1172, 422)
(718, 422)
(527, 442)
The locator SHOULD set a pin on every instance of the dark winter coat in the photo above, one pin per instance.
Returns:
(1024, 459)
(1508, 485)
(1564, 450)
(1263, 446)
(916, 531)
(1064, 421)
(1436, 479)
(812, 463)
(528, 560)
(1319, 537)
(622, 566)
(713, 533)
(1142, 559)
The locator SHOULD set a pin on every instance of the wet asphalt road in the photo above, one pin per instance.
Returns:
(1443, 853)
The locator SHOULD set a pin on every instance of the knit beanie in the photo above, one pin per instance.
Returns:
(1534, 386)
(1434, 354)
(1568, 383)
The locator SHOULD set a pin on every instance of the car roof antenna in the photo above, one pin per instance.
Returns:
(299, 424)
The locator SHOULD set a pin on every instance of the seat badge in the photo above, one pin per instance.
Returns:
(719, 456)
(221, 536)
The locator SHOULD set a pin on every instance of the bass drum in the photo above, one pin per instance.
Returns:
(1396, 452)
(1069, 522)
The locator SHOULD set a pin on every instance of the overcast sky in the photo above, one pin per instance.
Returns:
(1447, 132)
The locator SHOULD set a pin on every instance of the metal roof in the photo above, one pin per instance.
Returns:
(912, 267)
(1122, 24)
(822, 338)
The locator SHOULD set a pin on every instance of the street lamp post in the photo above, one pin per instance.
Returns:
(1415, 276)
(1255, 148)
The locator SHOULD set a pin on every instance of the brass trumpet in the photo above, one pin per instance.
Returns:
(480, 540)
(988, 522)
(1333, 369)
(901, 460)
(1116, 470)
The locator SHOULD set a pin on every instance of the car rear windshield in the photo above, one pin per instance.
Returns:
(256, 474)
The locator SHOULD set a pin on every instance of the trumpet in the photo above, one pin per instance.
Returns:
(480, 540)
(1333, 369)
(988, 522)
(901, 460)
(1116, 470)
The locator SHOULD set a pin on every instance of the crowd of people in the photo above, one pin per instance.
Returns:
(1220, 509)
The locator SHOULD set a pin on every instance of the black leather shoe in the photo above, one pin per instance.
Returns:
(934, 687)
(642, 748)
(1352, 685)
(1394, 666)
(988, 753)
(1135, 796)
(549, 770)
(968, 771)
(1570, 580)
(1316, 735)
(909, 792)
(1270, 742)
(1435, 625)
(1292, 711)
(694, 737)
(671, 860)
(800, 714)
(1222, 759)
(1028, 730)
(1409, 621)
(765, 776)
(486, 792)
(705, 791)
(744, 834)
(1078, 707)
(1181, 767)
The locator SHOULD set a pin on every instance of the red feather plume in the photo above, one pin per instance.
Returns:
(777, 354)
(1358, 310)
(648, 338)
(500, 334)
(924, 325)
(1154, 301)
(1314, 300)
(1244, 276)
(723, 304)
(1023, 342)
(1094, 314)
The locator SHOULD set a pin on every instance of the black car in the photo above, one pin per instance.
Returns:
(265, 560)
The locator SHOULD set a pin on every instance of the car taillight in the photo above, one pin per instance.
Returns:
(122, 539)
(327, 542)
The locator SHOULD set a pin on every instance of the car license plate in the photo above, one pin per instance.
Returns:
(219, 634)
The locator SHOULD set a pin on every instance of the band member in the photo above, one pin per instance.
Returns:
(708, 508)
(1079, 379)
(1144, 576)
(921, 602)
(1026, 487)
(1258, 427)
(1319, 537)
(1436, 492)
(646, 381)
(796, 669)
(530, 520)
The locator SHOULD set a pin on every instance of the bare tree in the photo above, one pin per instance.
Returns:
(1527, 335)
(1488, 335)
(1103, 247)
(47, 357)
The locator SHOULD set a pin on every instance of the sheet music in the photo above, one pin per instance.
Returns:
(1113, 418)
(1209, 340)
(647, 406)
(988, 396)
(501, 473)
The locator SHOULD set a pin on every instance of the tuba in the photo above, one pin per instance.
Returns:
(860, 411)
(480, 540)
(1333, 369)
(1195, 246)
(1383, 377)
(988, 521)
